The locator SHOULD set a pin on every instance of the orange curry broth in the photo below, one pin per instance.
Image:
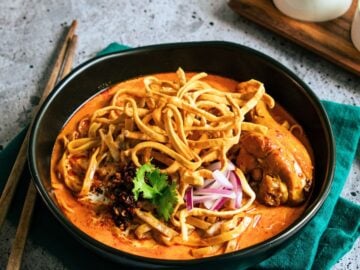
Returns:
(101, 227)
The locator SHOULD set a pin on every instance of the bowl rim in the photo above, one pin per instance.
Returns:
(276, 240)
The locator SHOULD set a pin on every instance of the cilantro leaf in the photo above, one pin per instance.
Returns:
(154, 185)
(166, 202)
(158, 180)
(140, 184)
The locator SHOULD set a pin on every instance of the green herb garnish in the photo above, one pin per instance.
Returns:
(154, 186)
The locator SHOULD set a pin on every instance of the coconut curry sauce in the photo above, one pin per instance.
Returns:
(96, 221)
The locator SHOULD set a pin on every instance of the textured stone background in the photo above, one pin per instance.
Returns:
(30, 31)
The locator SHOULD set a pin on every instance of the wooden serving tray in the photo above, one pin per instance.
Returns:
(329, 39)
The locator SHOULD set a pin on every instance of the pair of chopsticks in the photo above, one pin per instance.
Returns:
(62, 67)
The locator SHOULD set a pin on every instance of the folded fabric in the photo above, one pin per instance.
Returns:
(327, 237)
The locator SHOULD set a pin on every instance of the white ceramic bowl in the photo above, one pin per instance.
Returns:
(355, 28)
(313, 10)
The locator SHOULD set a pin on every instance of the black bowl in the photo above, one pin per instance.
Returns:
(221, 58)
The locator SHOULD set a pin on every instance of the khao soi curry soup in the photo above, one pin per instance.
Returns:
(182, 165)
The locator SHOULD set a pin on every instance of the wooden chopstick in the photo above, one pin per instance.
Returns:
(13, 179)
(17, 250)
(61, 68)
(69, 59)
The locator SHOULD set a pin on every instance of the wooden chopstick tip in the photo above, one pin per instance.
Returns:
(72, 29)
(74, 24)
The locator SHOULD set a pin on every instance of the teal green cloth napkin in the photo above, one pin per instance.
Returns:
(327, 237)
(335, 228)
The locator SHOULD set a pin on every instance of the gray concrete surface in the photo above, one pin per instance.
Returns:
(30, 31)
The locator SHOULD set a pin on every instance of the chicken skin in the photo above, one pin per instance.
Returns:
(277, 163)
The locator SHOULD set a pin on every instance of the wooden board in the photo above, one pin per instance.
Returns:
(329, 39)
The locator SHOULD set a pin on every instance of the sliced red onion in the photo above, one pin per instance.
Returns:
(221, 178)
(218, 204)
(237, 179)
(235, 191)
(227, 174)
(209, 203)
(189, 198)
(204, 198)
(216, 191)
(234, 179)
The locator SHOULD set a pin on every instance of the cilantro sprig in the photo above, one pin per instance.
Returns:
(154, 186)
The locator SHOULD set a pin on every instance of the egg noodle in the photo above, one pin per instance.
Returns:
(185, 126)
